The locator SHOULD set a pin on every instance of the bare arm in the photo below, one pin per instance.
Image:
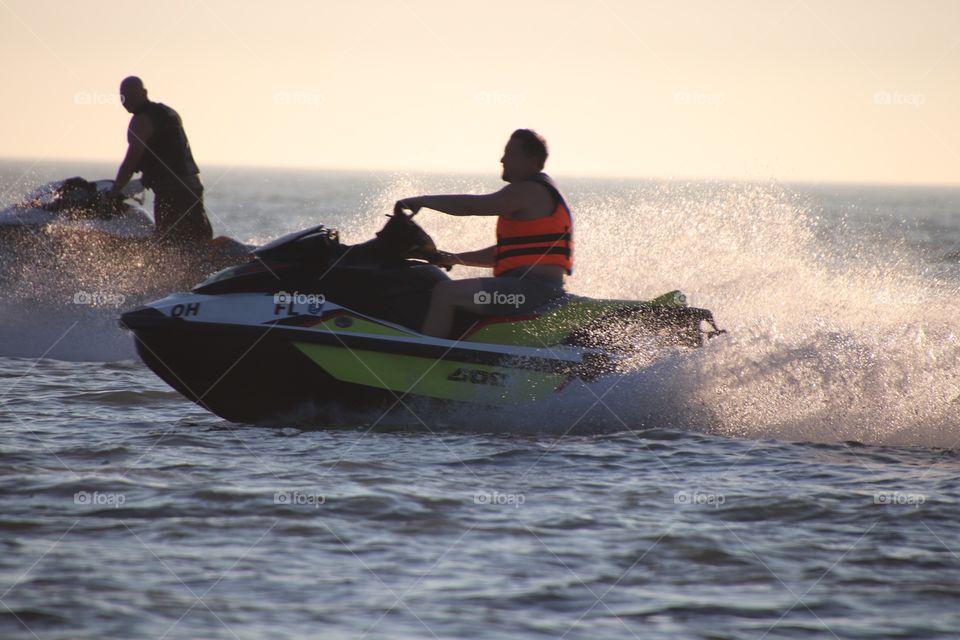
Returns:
(507, 201)
(139, 132)
(514, 199)
(481, 258)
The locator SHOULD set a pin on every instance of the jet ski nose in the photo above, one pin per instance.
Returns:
(140, 318)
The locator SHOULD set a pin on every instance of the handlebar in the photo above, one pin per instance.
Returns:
(399, 210)
(425, 248)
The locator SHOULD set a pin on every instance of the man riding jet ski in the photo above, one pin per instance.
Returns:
(534, 248)
(310, 326)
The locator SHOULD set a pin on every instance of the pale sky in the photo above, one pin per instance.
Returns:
(792, 90)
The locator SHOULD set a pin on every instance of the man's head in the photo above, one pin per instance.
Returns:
(524, 155)
(132, 93)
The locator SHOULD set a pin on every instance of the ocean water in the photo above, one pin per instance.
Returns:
(796, 478)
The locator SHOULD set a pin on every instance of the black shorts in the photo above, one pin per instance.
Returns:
(515, 292)
(179, 213)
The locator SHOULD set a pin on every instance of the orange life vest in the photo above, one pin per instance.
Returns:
(547, 240)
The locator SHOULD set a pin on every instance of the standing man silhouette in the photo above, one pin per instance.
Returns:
(158, 147)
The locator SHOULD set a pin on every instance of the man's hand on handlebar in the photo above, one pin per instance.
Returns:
(412, 204)
(446, 260)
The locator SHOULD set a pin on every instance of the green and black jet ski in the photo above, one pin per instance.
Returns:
(312, 325)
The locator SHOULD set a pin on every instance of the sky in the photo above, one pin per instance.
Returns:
(788, 90)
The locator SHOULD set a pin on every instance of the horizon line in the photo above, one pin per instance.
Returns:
(479, 173)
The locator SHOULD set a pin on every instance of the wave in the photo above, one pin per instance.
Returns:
(835, 333)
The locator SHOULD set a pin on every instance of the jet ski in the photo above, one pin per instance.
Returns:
(310, 325)
(80, 204)
(71, 236)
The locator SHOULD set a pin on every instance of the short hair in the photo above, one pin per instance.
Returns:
(532, 144)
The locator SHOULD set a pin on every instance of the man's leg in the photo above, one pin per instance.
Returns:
(180, 215)
(163, 214)
(447, 297)
(486, 296)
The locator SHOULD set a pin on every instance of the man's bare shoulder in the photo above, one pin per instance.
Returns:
(533, 199)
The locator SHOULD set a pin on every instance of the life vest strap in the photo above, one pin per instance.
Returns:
(547, 237)
(534, 251)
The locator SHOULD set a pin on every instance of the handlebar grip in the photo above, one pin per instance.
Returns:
(435, 260)
(400, 210)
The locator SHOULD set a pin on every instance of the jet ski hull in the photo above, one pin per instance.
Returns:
(244, 374)
(259, 373)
